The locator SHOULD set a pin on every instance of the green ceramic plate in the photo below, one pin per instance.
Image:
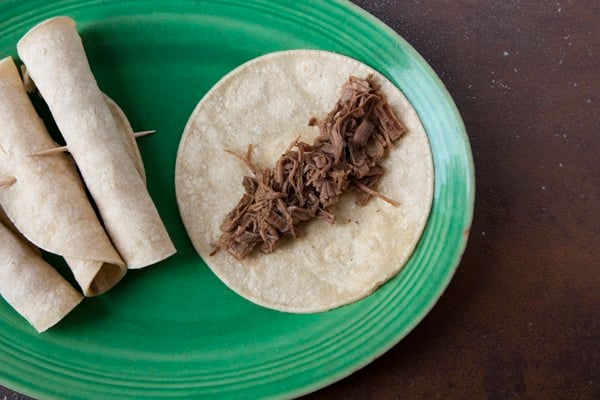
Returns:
(174, 330)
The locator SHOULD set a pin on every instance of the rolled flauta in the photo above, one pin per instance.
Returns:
(31, 286)
(123, 125)
(48, 203)
(104, 281)
(56, 62)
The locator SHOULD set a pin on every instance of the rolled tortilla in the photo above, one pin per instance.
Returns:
(56, 62)
(31, 286)
(48, 204)
(123, 125)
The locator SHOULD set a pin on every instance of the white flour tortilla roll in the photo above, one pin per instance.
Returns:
(48, 203)
(56, 62)
(31, 286)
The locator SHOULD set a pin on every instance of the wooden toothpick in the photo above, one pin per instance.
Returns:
(63, 149)
(7, 182)
(143, 133)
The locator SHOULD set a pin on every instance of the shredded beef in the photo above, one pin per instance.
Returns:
(308, 179)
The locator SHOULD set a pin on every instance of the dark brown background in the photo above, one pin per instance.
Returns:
(521, 318)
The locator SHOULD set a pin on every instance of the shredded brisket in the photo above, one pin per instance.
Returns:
(308, 179)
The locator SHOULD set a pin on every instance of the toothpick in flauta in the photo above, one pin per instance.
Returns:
(63, 149)
(6, 182)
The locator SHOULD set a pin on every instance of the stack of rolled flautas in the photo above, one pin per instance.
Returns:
(47, 203)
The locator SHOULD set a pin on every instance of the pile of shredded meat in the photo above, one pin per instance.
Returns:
(308, 179)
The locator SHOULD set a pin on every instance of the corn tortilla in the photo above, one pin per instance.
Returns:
(31, 286)
(267, 102)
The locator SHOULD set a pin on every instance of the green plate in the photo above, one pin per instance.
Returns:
(174, 330)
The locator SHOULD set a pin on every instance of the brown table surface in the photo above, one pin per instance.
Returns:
(521, 318)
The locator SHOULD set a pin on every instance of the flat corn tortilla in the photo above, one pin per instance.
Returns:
(31, 286)
(57, 64)
(48, 203)
(268, 102)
